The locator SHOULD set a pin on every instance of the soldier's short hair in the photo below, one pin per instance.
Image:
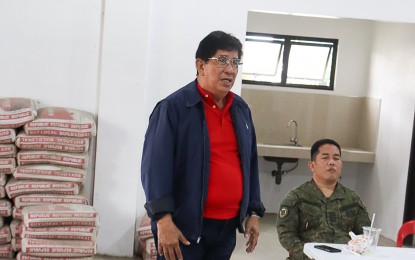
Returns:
(316, 146)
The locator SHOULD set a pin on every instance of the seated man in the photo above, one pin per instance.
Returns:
(322, 209)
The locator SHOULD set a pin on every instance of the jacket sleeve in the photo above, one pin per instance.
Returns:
(255, 204)
(157, 162)
(288, 227)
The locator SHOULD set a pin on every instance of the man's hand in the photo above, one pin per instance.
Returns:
(168, 238)
(252, 233)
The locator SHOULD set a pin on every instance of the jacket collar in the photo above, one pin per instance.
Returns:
(191, 94)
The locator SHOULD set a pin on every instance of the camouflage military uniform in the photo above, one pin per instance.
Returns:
(306, 215)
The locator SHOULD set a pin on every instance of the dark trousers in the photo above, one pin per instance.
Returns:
(217, 242)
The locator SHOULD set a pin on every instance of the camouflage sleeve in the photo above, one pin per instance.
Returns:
(288, 229)
(362, 218)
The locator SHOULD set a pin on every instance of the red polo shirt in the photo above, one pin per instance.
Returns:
(225, 179)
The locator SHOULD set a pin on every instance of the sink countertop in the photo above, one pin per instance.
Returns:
(303, 152)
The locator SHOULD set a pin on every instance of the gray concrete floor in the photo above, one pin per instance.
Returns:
(268, 245)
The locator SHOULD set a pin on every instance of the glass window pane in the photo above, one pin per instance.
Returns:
(307, 65)
(261, 57)
(289, 61)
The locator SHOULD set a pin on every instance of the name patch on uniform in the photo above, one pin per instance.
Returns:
(283, 212)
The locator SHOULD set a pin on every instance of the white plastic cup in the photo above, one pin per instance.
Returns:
(372, 232)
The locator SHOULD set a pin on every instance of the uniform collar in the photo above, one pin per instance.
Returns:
(338, 192)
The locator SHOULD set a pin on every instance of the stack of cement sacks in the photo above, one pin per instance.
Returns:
(58, 231)
(47, 185)
(7, 165)
(14, 113)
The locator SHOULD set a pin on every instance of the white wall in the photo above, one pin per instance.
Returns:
(121, 124)
(50, 51)
(392, 79)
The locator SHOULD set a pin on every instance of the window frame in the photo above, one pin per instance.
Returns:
(286, 51)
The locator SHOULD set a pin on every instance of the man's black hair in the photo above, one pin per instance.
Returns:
(218, 40)
(316, 146)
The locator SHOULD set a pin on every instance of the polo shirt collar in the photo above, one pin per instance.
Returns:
(208, 98)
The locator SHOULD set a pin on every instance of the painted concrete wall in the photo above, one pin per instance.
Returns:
(120, 130)
(384, 184)
(120, 64)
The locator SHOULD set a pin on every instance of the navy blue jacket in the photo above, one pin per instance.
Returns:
(176, 156)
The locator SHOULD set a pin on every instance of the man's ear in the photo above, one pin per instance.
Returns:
(200, 66)
(311, 165)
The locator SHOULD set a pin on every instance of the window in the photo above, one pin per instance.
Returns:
(289, 61)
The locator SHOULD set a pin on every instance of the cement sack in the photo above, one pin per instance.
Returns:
(52, 143)
(49, 172)
(6, 251)
(3, 179)
(7, 136)
(67, 233)
(23, 256)
(7, 165)
(16, 227)
(76, 160)
(16, 188)
(17, 244)
(55, 215)
(58, 248)
(149, 249)
(146, 256)
(17, 213)
(144, 228)
(62, 121)
(8, 150)
(2, 192)
(5, 208)
(5, 235)
(15, 112)
(39, 199)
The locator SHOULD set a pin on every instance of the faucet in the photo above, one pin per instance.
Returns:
(295, 139)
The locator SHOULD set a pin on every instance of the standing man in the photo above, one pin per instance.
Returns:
(200, 163)
(320, 210)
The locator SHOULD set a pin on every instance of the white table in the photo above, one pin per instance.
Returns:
(378, 253)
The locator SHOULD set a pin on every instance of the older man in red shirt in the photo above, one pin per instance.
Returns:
(200, 161)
